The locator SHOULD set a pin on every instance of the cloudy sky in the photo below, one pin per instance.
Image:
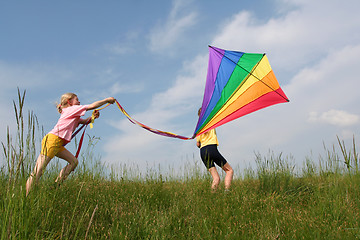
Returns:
(152, 57)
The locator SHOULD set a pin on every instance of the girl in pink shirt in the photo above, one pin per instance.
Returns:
(53, 143)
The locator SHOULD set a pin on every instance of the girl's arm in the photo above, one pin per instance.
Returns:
(84, 121)
(97, 104)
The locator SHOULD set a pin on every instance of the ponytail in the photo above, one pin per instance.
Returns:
(59, 108)
(64, 101)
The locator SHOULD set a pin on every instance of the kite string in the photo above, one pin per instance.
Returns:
(251, 72)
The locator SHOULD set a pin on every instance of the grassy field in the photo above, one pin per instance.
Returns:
(272, 201)
(273, 205)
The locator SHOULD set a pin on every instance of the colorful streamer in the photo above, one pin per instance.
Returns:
(156, 131)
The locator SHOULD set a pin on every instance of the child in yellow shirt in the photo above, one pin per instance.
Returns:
(208, 142)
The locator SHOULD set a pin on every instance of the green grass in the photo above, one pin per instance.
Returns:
(316, 207)
(275, 200)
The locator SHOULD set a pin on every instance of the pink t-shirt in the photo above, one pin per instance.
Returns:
(69, 121)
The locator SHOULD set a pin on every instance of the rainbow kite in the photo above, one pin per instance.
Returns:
(237, 84)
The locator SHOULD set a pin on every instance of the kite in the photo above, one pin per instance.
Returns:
(237, 84)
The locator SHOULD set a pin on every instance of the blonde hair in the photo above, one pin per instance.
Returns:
(64, 101)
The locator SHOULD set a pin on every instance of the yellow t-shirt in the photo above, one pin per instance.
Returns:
(207, 138)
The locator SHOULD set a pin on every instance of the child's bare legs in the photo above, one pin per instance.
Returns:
(216, 178)
(43, 161)
(40, 165)
(229, 175)
(73, 162)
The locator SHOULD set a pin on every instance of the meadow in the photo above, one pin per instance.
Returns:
(275, 200)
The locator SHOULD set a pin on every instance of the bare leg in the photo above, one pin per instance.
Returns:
(229, 175)
(73, 162)
(40, 166)
(216, 178)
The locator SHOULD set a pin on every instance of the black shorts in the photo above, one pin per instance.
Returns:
(210, 155)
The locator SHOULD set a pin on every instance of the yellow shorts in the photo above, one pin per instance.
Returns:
(52, 145)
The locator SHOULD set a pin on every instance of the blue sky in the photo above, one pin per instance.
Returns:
(152, 57)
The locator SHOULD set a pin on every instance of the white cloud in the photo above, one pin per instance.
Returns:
(164, 36)
(335, 117)
(302, 36)
(185, 89)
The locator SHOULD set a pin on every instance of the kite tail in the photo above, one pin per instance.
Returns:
(156, 131)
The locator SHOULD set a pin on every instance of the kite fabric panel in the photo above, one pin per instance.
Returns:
(237, 84)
